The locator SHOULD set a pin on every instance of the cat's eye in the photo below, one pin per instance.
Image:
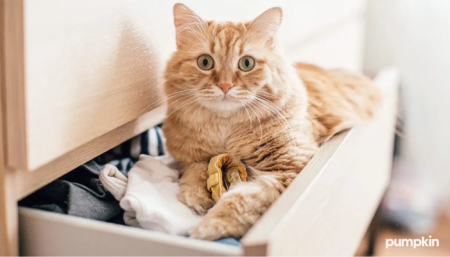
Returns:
(205, 62)
(246, 63)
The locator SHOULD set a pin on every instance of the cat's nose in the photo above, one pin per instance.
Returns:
(225, 87)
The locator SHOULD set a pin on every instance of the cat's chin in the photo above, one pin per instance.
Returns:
(224, 107)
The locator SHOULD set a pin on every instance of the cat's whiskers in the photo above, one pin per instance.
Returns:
(188, 107)
(170, 96)
(286, 133)
(276, 114)
(183, 97)
(260, 126)
(274, 106)
(194, 114)
(269, 94)
(182, 106)
(271, 103)
(248, 114)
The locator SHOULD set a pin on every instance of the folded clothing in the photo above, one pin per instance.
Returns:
(84, 193)
(150, 198)
(80, 193)
(114, 181)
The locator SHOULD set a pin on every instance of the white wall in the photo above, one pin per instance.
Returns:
(415, 35)
(330, 37)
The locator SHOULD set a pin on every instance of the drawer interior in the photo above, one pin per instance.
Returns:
(334, 197)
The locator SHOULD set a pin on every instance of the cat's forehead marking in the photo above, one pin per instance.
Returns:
(226, 39)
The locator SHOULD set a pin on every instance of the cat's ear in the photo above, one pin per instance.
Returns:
(266, 25)
(189, 26)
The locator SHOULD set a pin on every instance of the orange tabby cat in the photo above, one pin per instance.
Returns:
(230, 90)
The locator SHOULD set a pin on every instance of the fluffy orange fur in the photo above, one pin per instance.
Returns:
(273, 118)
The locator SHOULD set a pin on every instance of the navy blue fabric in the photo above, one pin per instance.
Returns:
(144, 143)
(160, 143)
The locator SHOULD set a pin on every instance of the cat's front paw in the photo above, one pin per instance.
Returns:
(221, 221)
(200, 202)
(210, 229)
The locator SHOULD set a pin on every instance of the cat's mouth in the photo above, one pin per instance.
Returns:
(224, 103)
(223, 98)
(228, 98)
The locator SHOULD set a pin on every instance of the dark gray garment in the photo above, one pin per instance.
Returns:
(79, 193)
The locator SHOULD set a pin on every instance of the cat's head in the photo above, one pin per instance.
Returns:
(225, 66)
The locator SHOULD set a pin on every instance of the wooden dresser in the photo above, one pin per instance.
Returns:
(79, 77)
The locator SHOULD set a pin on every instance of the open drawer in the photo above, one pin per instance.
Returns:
(325, 211)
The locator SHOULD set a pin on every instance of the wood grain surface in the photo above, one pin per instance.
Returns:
(8, 204)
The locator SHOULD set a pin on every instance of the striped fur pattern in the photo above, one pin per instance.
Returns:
(273, 119)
